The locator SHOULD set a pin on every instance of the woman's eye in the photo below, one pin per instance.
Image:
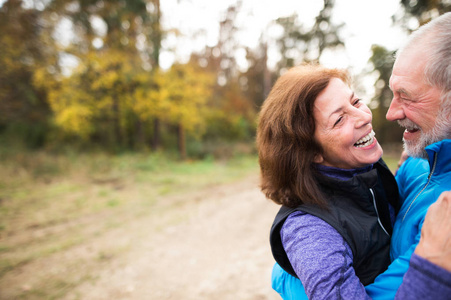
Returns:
(357, 101)
(338, 121)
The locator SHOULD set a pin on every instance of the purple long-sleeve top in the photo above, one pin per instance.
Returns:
(323, 262)
(321, 258)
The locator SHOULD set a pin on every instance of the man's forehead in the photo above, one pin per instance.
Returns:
(408, 66)
(397, 85)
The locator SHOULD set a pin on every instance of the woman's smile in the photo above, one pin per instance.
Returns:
(343, 128)
(366, 141)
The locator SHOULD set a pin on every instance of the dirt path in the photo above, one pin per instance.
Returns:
(209, 245)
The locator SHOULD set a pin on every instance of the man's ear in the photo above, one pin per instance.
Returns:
(318, 159)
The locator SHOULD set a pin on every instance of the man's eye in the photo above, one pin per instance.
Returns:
(338, 121)
(357, 101)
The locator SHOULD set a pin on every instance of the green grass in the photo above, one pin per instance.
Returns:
(34, 185)
(53, 202)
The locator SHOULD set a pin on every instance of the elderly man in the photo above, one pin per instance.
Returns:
(421, 85)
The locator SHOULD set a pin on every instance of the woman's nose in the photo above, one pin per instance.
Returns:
(363, 118)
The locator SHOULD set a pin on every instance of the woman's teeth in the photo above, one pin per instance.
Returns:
(366, 140)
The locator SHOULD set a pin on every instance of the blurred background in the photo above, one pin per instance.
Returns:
(110, 108)
(186, 76)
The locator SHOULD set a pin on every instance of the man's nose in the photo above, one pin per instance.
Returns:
(395, 111)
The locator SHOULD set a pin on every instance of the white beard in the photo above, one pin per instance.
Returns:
(440, 131)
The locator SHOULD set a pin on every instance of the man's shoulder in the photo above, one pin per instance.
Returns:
(412, 168)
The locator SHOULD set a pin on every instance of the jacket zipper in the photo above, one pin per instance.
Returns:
(377, 212)
(427, 183)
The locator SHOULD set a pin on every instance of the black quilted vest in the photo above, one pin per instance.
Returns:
(357, 210)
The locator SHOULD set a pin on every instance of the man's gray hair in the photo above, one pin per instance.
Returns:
(435, 36)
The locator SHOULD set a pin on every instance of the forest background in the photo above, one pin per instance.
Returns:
(116, 97)
(98, 134)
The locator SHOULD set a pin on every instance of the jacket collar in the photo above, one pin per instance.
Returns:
(441, 152)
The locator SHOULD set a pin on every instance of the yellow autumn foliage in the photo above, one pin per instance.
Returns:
(112, 86)
(184, 94)
(76, 119)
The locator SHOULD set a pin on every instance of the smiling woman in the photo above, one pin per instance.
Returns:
(320, 160)
(343, 128)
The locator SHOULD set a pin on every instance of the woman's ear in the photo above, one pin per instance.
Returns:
(318, 159)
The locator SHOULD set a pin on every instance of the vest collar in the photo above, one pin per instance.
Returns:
(358, 181)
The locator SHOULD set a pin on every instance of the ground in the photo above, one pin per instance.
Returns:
(210, 244)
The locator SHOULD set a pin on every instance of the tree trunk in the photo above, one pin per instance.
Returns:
(156, 43)
(266, 74)
(181, 141)
(139, 133)
(155, 143)
(157, 35)
(116, 122)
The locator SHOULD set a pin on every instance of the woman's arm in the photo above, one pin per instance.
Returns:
(424, 280)
(321, 258)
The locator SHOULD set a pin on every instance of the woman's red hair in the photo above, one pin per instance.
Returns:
(285, 135)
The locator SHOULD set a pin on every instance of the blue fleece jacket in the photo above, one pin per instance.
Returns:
(420, 183)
